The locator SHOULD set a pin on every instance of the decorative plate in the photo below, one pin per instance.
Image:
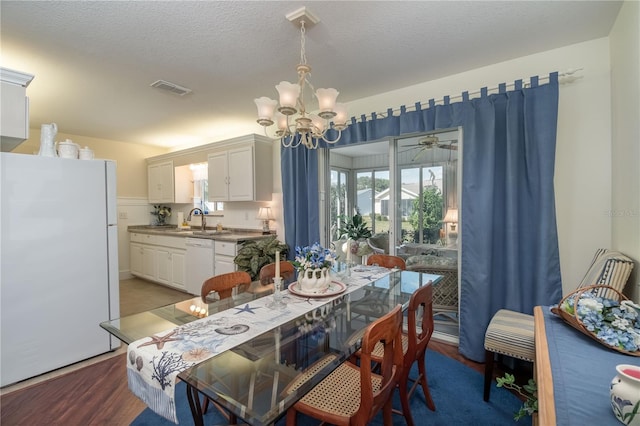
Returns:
(334, 288)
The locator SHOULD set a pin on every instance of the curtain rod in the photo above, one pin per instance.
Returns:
(565, 77)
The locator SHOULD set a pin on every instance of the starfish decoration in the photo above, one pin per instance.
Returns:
(160, 341)
(246, 308)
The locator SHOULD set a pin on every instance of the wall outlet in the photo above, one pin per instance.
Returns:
(122, 215)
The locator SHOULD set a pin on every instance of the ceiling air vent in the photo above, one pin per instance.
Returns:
(170, 87)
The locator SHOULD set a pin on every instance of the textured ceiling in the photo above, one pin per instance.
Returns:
(94, 60)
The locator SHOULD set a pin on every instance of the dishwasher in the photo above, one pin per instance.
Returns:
(199, 263)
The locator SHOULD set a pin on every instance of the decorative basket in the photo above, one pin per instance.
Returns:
(574, 320)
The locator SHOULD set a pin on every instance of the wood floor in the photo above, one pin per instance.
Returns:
(98, 394)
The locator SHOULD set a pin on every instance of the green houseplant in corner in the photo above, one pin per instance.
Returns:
(253, 255)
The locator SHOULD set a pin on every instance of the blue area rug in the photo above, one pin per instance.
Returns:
(456, 390)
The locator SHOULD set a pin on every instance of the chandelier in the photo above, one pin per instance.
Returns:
(295, 125)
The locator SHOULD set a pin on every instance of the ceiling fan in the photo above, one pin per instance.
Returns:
(431, 141)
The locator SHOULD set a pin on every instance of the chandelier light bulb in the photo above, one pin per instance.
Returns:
(266, 110)
(341, 117)
(289, 93)
(327, 101)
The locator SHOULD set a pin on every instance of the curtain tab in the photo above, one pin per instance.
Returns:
(553, 77)
(374, 116)
(465, 96)
(502, 88)
(389, 112)
(534, 81)
(483, 92)
(403, 109)
(432, 103)
(418, 106)
(517, 85)
(446, 100)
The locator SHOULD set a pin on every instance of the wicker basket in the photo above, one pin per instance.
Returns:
(573, 319)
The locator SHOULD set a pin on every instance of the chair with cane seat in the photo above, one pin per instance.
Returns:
(511, 333)
(387, 261)
(223, 284)
(414, 347)
(268, 272)
(351, 394)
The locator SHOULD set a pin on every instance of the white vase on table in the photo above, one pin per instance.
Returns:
(314, 281)
(625, 394)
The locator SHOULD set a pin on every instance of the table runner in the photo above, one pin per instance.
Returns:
(153, 363)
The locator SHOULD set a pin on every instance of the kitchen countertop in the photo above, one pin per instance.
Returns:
(232, 235)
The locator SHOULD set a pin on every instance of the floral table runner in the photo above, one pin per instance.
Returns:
(153, 363)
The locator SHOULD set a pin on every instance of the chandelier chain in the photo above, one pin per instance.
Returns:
(303, 53)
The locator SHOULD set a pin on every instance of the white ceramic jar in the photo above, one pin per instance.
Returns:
(68, 149)
(86, 153)
(625, 394)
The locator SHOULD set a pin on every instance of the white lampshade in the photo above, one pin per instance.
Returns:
(451, 216)
(281, 121)
(266, 108)
(289, 93)
(327, 99)
(265, 214)
(341, 114)
(318, 123)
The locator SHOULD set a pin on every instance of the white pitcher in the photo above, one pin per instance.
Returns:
(47, 136)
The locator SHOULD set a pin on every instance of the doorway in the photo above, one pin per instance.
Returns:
(406, 188)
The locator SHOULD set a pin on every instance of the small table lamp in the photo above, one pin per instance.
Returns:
(265, 215)
(452, 218)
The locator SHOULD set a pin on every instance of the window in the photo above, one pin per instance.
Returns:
(200, 173)
(372, 198)
(338, 201)
(422, 204)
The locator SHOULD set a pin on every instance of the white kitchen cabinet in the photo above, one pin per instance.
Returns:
(224, 253)
(135, 259)
(14, 108)
(158, 258)
(149, 263)
(242, 173)
(160, 183)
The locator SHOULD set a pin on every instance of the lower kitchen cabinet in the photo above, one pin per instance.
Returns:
(159, 259)
(225, 252)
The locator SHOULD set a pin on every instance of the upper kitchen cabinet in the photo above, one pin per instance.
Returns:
(242, 173)
(239, 169)
(161, 182)
(14, 111)
(169, 185)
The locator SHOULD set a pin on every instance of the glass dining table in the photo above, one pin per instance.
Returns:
(253, 381)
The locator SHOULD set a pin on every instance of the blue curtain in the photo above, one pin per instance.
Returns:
(510, 256)
(299, 168)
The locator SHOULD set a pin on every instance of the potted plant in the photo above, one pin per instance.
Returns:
(253, 255)
(354, 228)
(162, 213)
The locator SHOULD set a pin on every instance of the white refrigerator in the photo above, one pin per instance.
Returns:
(59, 269)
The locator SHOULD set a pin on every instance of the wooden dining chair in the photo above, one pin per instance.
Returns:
(268, 272)
(351, 394)
(414, 346)
(223, 284)
(387, 261)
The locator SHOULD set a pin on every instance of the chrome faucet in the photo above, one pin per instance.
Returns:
(204, 221)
